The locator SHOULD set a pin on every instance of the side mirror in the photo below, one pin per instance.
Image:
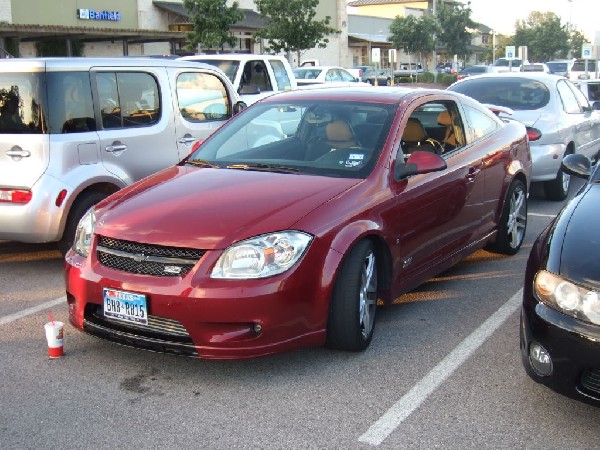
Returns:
(418, 163)
(577, 165)
(239, 107)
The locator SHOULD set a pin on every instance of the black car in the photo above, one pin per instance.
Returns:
(560, 318)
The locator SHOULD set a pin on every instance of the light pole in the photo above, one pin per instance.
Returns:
(493, 46)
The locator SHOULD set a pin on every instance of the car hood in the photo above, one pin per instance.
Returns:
(211, 208)
(581, 241)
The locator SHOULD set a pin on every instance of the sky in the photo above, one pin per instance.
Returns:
(501, 15)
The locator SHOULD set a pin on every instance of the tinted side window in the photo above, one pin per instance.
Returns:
(515, 93)
(481, 124)
(569, 101)
(70, 102)
(128, 99)
(202, 97)
(281, 75)
(256, 75)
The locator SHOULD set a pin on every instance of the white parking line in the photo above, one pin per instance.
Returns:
(403, 408)
(33, 310)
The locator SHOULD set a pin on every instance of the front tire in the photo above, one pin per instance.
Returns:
(513, 221)
(354, 302)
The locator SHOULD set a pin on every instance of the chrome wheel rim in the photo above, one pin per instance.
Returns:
(368, 295)
(517, 218)
(566, 180)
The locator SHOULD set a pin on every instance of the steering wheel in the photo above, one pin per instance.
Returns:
(438, 148)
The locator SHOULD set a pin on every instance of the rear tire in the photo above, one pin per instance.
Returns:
(84, 202)
(558, 189)
(513, 221)
(354, 302)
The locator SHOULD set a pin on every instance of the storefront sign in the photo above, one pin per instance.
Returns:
(91, 14)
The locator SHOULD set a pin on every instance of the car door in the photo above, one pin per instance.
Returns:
(439, 214)
(136, 135)
(201, 102)
(578, 124)
(593, 117)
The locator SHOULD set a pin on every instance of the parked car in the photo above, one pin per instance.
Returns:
(253, 76)
(579, 72)
(409, 70)
(373, 75)
(560, 319)
(287, 226)
(559, 118)
(591, 90)
(322, 74)
(508, 65)
(74, 130)
(472, 70)
(561, 67)
(535, 67)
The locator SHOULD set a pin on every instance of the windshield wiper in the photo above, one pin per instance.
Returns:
(202, 163)
(264, 167)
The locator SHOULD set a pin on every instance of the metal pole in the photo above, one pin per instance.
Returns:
(493, 46)
(433, 55)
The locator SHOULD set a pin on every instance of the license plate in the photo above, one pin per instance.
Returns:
(125, 306)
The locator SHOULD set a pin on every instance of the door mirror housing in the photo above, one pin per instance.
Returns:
(418, 163)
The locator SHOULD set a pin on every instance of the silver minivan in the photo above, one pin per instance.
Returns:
(75, 130)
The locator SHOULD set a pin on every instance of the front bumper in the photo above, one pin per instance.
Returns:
(546, 160)
(197, 316)
(573, 345)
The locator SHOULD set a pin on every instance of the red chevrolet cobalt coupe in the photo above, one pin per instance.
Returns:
(287, 226)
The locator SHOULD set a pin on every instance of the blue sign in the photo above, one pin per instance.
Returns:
(90, 14)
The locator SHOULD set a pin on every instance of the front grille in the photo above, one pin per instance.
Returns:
(160, 335)
(158, 327)
(146, 259)
(590, 382)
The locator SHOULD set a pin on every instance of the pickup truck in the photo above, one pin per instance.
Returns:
(253, 76)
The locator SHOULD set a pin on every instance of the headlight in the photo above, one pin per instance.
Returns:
(567, 297)
(85, 233)
(262, 256)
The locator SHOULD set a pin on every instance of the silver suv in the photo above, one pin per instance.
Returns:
(75, 130)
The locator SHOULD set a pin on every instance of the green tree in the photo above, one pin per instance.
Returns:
(576, 40)
(456, 28)
(414, 35)
(544, 35)
(212, 21)
(292, 26)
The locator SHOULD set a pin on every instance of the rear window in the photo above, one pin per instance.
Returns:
(21, 103)
(579, 66)
(514, 93)
(557, 67)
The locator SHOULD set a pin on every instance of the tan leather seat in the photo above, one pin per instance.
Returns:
(414, 133)
(339, 134)
(445, 119)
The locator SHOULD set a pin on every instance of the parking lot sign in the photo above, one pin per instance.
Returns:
(376, 55)
(510, 52)
(586, 50)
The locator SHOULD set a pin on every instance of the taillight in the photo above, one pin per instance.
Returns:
(15, 196)
(533, 134)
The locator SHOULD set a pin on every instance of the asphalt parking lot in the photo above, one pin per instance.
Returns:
(443, 371)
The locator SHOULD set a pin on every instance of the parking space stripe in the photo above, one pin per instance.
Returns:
(33, 310)
(552, 216)
(403, 408)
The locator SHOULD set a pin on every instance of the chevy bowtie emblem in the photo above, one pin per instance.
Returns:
(139, 257)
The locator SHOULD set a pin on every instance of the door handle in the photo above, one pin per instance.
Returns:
(187, 139)
(116, 147)
(18, 153)
(472, 174)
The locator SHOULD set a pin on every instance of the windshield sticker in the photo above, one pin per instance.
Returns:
(354, 160)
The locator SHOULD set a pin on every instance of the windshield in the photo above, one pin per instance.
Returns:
(307, 74)
(515, 93)
(334, 139)
(229, 67)
(557, 66)
(506, 62)
(21, 103)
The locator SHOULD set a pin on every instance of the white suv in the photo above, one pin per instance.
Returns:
(74, 130)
